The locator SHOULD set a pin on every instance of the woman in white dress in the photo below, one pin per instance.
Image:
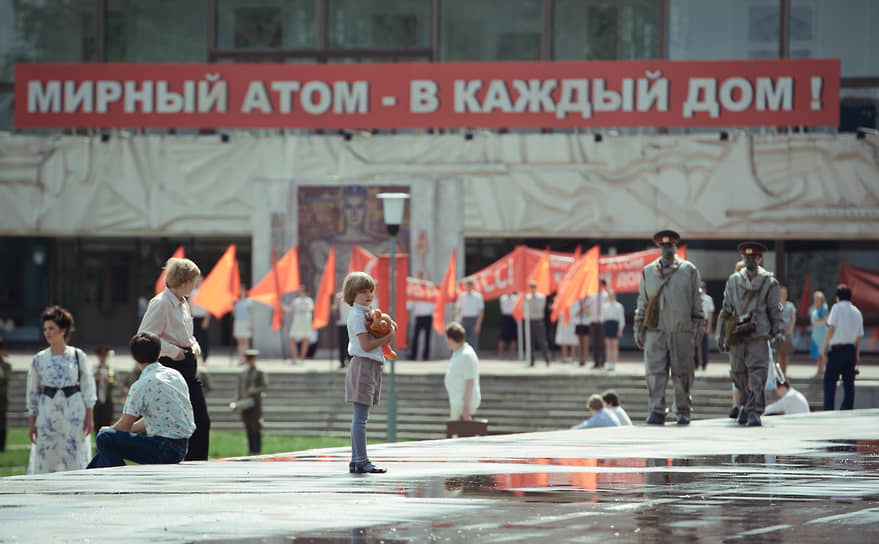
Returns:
(60, 400)
(614, 321)
(566, 336)
(300, 330)
(242, 323)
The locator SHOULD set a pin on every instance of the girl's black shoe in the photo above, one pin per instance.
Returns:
(365, 468)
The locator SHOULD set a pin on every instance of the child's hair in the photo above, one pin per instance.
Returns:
(61, 317)
(455, 332)
(595, 402)
(179, 271)
(610, 396)
(354, 283)
(145, 347)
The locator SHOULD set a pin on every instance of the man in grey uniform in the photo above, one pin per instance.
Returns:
(751, 295)
(668, 325)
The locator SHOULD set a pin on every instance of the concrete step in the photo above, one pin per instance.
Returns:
(312, 403)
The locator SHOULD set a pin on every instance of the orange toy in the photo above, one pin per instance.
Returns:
(379, 324)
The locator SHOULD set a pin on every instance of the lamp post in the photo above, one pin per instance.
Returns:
(392, 206)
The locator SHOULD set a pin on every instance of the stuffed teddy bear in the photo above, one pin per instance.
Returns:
(379, 324)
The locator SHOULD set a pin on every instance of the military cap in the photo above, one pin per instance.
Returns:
(666, 237)
(752, 248)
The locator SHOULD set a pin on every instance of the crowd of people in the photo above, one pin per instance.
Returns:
(165, 420)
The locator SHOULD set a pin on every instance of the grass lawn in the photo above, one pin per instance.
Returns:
(13, 461)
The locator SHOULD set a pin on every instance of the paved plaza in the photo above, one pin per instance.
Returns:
(804, 478)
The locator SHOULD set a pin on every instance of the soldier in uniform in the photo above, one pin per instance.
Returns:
(251, 385)
(668, 325)
(751, 306)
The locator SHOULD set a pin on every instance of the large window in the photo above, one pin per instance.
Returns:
(843, 28)
(606, 29)
(391, 24)
(490, 30)
(155, 31)
(264, 24)
(720, 29)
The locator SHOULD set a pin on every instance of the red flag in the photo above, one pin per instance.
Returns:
(361, 260)
(447, 293)
(557, 310)
(324, 292)
(864, 284)
(280, 280)
(160, 283)
(219, 291)
(583, 280)
(382, 275)
(542, 274)
(806, 297)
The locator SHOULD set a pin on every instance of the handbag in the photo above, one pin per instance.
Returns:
(743, 326)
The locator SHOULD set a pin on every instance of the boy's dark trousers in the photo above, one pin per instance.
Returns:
(422, 323)
(343, 345)
(199, 442)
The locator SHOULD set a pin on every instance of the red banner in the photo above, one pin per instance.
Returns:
(508, 274)
(382, 294)
(713, 93)
(864, 284)
(418, 290)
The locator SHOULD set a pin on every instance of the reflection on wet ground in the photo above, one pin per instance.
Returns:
(810, 480)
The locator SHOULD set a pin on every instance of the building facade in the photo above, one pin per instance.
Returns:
(90, 214)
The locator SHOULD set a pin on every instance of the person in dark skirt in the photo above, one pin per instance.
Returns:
(614, 321)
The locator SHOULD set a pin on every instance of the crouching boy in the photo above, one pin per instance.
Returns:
(157, 418)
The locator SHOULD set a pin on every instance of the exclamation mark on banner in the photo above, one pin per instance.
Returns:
(817, 87)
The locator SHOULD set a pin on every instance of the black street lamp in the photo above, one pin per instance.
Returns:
(392, 206)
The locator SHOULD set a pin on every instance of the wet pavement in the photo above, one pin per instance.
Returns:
(804, 478)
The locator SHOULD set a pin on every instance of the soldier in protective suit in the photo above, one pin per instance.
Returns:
(668, 324)
(750, 320)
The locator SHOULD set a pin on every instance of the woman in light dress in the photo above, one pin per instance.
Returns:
(60, 399)
(818, 317)
(566, 337)
(300, 330)
(242, 324)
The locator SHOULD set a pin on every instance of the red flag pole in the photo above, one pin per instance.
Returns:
(278, 313)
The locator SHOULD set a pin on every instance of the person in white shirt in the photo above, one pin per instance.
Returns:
(168, 316)
(613, 317)
(578, 313)
(242, 322)
(341, 310)
(596, 331)
(508, 332)
(612, 403)
(462, 376)
(300, 330)
(423, 312)
(789, 315)
(535, 315)
(708, 310)
(790, 401)
(845, 329)
(469, 309)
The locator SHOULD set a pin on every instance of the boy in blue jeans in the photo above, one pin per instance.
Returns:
(157, 418)
(363, 381)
